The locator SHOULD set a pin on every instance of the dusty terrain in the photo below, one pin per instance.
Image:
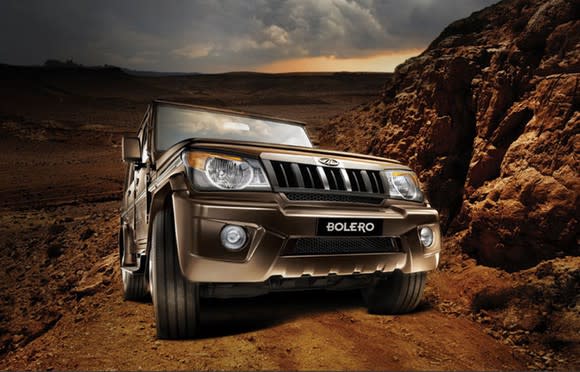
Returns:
(61, 305)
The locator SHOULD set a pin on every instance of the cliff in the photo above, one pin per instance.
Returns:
(488, 117)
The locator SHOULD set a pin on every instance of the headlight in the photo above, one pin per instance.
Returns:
(404, 185)
(209, 171)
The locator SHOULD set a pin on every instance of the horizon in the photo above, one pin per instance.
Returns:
(276, 36)
(72, 65)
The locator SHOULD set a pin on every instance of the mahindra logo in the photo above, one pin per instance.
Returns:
(329, 162)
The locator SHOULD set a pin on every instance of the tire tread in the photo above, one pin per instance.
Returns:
(397, 294)
(134, 286)
(176, 299)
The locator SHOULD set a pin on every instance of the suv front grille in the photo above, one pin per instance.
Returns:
(341, 245)
(290, 175)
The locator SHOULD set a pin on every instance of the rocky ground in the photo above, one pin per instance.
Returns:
(63, 309)
(62, 305)
(488, 116)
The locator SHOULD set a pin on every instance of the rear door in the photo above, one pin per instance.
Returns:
(128, 215)
(142, 179)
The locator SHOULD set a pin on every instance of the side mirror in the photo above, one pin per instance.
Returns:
(131, 150)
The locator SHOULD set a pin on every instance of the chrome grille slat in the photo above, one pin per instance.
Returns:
(296, 171)
(323, 178)
(366, 180)
(345, 179)
(308, 177)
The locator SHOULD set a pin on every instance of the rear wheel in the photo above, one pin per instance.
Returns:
(398, 293)
(134, 283)
(175, 299)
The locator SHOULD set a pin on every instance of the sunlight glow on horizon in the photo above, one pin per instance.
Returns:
(381, 62)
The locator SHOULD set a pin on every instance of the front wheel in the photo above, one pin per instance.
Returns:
(397, 294)
(175, 299)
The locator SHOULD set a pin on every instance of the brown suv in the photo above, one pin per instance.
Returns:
(226, 204)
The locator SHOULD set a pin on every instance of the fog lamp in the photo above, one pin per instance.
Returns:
(233, 237)
(426, 236)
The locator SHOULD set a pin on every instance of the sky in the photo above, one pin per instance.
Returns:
(226, 35)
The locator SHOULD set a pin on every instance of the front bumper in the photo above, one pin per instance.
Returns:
(272, 224)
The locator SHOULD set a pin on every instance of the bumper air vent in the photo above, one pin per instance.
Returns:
(328, 197)
(341, 245)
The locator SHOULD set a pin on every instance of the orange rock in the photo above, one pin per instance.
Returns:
(488, 116)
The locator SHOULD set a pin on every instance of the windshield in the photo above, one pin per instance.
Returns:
(175, 124)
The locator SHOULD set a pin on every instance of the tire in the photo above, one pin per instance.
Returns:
(175, 299)
(399, 293)
(134, 285)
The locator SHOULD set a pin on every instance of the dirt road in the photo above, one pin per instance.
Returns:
(311, 331)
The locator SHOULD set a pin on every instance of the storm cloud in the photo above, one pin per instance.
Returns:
(218, 35)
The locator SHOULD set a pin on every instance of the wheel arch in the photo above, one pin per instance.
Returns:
(159, 198)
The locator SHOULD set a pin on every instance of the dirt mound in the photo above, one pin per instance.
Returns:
(50, 264)
(488, 116)
(535, 311)
(543, 301)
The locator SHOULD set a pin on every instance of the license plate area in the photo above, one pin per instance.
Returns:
(349, 227)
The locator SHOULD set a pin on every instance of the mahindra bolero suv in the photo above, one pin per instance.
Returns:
(226, 204)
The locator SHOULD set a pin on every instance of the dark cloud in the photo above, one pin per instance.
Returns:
(217, 35)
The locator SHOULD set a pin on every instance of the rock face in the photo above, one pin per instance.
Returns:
(488, 116)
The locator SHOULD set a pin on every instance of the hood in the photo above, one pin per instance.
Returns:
(254, 149)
